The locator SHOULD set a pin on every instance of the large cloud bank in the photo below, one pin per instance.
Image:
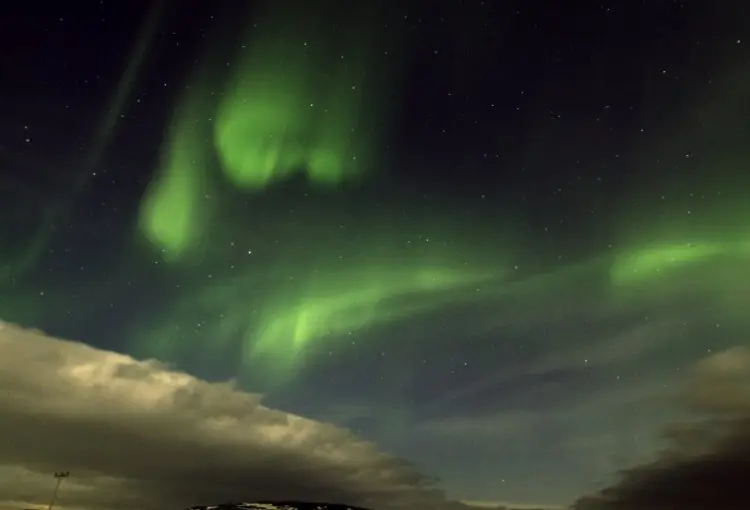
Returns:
(138, 435)
(707, 463)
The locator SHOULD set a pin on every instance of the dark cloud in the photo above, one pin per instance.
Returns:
(138, 435)
(706, 463)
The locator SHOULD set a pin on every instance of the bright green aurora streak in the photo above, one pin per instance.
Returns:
(288, 108)
(330, 302)
(278, 114)
(174, 210)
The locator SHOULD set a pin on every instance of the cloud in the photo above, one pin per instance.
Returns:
(600, 356)
(137, 435)
(706, 463)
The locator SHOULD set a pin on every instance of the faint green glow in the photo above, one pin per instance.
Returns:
(17, 263)
(652, 262)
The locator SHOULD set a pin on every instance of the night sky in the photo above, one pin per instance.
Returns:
(490, 238)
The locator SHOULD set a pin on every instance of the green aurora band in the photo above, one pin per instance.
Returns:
(646, 264)
(174, 210)
(321, 307)
(279, 115)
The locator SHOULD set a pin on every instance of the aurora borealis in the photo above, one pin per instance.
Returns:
(494, 256)
(287, 105)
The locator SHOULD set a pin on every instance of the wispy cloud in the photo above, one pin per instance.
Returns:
(586, 353)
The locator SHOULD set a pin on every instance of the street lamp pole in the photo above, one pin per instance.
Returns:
(59, 477)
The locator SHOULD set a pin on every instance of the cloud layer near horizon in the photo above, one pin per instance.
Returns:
(707, 460)
(138, 435)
